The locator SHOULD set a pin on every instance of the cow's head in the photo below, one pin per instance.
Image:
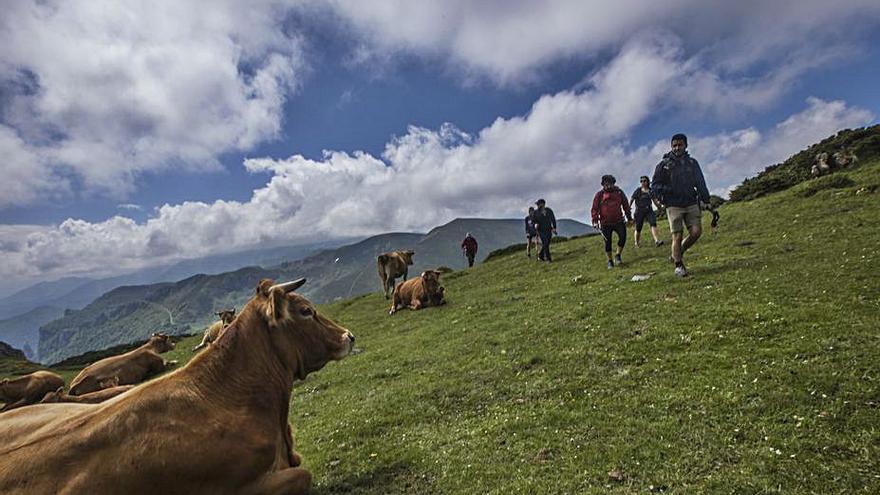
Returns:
(161, 342)
(302, 337)
(54, 396)
(407, 256)
(4, 383)
(431, 281)
(226, 315)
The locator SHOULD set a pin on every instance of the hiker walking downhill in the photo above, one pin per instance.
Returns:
(643, 198)
(469, 248)
(545, 224)
(679, 185)
(608, 211)
(531, 232)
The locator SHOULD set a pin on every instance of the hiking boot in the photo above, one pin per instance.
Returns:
(610, 264)
(681, 271)
(658, 243)
(617, 259)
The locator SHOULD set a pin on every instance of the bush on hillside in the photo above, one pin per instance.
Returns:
(864, 143)
(836, 181)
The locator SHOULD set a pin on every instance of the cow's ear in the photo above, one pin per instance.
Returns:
(263, 287)
(424, 275)
(276, 306)
(4, 382)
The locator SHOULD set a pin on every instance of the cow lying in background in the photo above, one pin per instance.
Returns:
(218, 425)
(90, 398)
(391, 266)
(419, 292)
(212, 332)
(125, 369)
(28, 389)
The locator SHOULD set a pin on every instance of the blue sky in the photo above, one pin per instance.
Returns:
(135, 136)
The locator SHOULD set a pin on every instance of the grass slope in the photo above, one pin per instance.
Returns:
(758, 374)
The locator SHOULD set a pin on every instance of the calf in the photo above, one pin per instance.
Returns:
(213, 331)
(418, 292)
(393, 265)
(28, 389)
(125, 369)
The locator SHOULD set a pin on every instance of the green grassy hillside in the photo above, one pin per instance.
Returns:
(757, 374)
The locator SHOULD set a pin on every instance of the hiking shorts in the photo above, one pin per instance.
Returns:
(679, 217)
(642, 215)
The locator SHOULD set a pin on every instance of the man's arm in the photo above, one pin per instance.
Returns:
(594, 211)
(626, 209)
(552, 219)
(701, 183)
(659, 183)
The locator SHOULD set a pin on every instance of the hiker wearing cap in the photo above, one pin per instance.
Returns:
(609, 209)
(679, 185)
(643, 198)
(545, 224)
(531, 232)
(469, 248)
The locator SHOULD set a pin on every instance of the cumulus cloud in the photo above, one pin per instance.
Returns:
(97, 93)
(424, 178)
(510, 41)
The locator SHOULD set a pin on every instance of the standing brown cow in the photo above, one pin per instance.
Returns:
(28, 389)
(391, 266)
(125, 369)
(418, 293)
(218, 425)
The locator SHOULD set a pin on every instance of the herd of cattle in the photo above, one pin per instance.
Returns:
(218, 424)
(111, 433)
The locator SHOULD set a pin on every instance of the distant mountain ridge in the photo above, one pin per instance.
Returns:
(24, 312)
(77, 292)
(126, 314)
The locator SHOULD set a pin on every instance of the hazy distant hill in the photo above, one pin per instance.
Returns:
(126, 314)
(22, 331)
(77, 292)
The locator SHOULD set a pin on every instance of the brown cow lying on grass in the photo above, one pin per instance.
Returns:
(125, 369)
(28, 389)
(90, 398)
(391, 266)
(419, 292)
(212, 332)
(216, 426)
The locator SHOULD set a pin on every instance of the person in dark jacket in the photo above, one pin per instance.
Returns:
(545, 224)
(469, 248)
(679, 185)
(531, 232)
(643, 198)
(608, 211)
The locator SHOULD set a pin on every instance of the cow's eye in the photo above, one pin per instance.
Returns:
(306, 311)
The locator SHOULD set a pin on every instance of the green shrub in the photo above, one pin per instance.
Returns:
(836, 181)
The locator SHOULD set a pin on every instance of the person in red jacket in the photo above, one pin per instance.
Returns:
(469, 248)
(610, 205)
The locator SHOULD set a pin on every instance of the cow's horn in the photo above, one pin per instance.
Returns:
(289, 286)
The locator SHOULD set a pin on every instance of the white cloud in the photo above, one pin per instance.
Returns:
(101, 92)
(510, 41)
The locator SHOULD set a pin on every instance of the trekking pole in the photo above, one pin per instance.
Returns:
(602, 232)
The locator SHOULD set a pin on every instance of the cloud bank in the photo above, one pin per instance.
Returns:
(176, 84)
(97, 93)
